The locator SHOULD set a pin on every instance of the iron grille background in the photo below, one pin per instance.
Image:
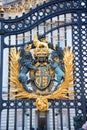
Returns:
(47, 19)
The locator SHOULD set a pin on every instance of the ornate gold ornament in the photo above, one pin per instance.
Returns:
(18, 7)
(41, 103)
(43, 88)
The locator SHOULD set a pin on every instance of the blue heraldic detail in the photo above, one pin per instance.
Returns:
(47, 68)
(26, 63)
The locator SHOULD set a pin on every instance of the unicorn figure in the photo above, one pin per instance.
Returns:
(56, 64)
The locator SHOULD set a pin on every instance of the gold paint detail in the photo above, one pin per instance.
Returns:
(41, 103)
(39, 44)
(18, 7)
(17, 90)
(64, 91)
(54, 46)
(41, 49)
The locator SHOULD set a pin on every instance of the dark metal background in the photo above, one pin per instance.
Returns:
(27, 23)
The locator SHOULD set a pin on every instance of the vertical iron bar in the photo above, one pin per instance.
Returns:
(68, 113)
(44, 21)
(7, 119)
(15, 117)
(30, 114)
(1, 70)
(65, 37)
(23, 114)
(30, 35)
(51, 29)
(37, 25)
(23, 103)
(61, 116)
(37, 30)
(65, 30)
(46, 120)
(30, 30)
(38, 118)
(58, 31)
(44, 27)
(53, 115)
(51, 33)
(7, 125)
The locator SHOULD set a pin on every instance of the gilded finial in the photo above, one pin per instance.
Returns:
(23, 6)
(37, 2)
(9, 10)
(16, 9)
(30, 5)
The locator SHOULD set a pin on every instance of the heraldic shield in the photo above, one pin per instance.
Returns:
(42, 77)
(41, 71)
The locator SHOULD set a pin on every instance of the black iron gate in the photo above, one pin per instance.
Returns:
(64, 22)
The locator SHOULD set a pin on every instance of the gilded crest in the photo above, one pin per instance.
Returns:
(42, 72)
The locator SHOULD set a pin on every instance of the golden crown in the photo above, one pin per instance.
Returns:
(41, 49)
(41, 52)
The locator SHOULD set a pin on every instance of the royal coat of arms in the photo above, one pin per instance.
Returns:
(41, 71)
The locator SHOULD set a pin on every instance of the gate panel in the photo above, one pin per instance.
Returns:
(65, 24)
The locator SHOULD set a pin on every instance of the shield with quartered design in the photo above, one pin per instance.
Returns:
(42, 77)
